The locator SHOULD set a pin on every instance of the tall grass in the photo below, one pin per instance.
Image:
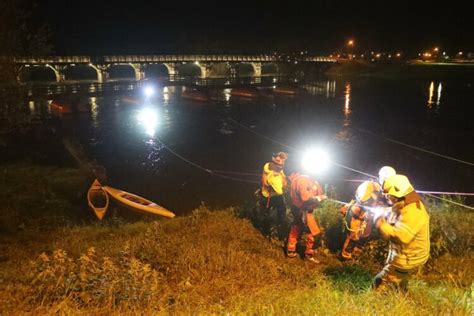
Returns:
(211, 262)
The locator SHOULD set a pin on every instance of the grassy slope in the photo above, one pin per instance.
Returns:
(396, 71)
(208, 261)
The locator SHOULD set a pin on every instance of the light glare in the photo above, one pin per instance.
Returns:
(149, 119)
(316, 161)
(149, 91)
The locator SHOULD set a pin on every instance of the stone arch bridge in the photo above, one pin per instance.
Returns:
(171, 64)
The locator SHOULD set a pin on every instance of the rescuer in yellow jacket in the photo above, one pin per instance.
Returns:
(409, 235)
(274, 184)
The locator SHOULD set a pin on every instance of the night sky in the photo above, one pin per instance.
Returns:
(147, 27)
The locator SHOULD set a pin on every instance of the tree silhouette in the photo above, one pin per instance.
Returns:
(19, 36)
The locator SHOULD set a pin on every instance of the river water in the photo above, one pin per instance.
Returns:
(181, 152)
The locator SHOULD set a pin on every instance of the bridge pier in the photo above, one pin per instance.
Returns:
(172, 69)
(205, 69)
(102, 72)
(233, 70)
(139, 71)
(58, 72)
(257, 69)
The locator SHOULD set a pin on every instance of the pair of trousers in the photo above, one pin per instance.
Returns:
(303, 221)
(391, 276)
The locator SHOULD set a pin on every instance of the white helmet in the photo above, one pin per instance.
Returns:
(365, 192)
(386, 172)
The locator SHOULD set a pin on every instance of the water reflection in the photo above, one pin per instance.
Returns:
(227, 95)
(431, 89)
(94, 111)
(31, 106)
(440, 88)
(148, 118)
(48, 107)
(430, 94)
(325, 88)
(92, 88)
(331, 89)
(347, 101)
(154, 156)
(343, 135)
(166, 96)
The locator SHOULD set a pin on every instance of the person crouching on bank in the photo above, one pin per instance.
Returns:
(409, 235)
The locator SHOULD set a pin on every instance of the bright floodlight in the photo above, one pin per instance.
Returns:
(149, 91)
(315, 161)
(149, 119)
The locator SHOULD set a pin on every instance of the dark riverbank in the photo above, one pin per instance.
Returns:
(401, 70)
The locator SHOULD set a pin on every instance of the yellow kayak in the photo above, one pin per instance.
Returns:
(137, 203)
(98, 199)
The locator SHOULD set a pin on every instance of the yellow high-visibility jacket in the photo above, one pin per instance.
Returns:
(273, 182)
(409, 237)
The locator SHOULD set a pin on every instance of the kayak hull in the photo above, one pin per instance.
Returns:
(98, 199)
(137, 203)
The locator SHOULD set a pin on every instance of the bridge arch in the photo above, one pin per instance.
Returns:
(244, 70)
(219, 70)
(38, 73)
(191, 70)
(270, 69)
(158, 71)
(122, 71)
(81, 72)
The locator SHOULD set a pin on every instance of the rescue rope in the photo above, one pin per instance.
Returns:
(201, 167)
(216, 172)
(295, 149)
(415, 147)
(345, 222)
(236, 172)
(261, 135)
(350, 180)
(449, 201)
(445, 193)
(339, 165)
(419, 191)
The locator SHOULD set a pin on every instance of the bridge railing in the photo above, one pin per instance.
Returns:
(186, 58)
(53, 60)
(159, 59)
(319, 59)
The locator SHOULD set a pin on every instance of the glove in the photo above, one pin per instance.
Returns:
(343, 210)
(321, 197)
